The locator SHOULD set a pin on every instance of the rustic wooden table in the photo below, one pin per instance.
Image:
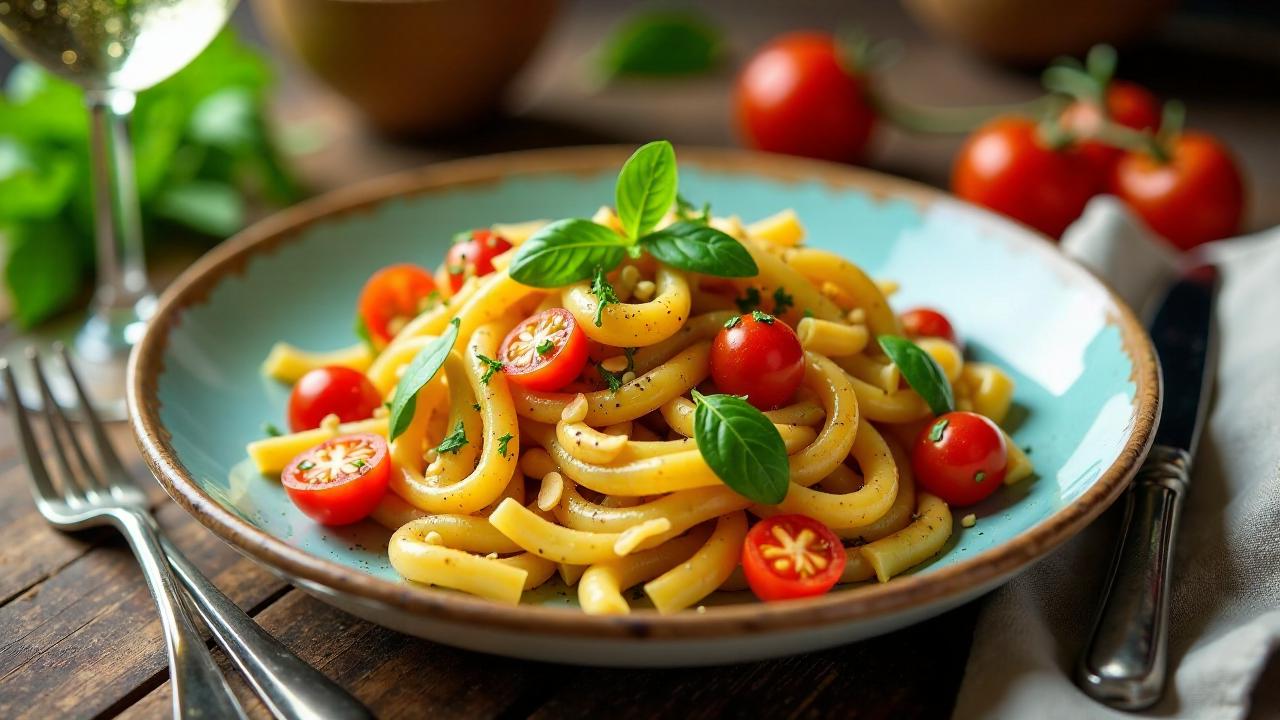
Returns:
(78, 633)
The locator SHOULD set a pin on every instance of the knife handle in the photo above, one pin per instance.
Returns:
(1124, 662)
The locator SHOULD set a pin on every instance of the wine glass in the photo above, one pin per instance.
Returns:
(113, 49)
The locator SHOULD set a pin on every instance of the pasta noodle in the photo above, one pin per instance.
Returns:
(496, 487)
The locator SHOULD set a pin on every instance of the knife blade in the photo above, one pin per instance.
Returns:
(1125, 662)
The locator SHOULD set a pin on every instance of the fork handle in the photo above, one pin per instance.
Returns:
(290, 688)
(1124, 664)
(199, 688)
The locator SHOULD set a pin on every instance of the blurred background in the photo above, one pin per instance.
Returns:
(303, 96)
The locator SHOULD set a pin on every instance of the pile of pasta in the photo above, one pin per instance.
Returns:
(606, 488)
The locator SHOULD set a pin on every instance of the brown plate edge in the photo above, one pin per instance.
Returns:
(859, 604)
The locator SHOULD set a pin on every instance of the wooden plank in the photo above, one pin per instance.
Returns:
(914, 672)
(78, 643)
(31, 550)
(396, 675)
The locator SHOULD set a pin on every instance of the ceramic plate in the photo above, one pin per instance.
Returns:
(1087, 388)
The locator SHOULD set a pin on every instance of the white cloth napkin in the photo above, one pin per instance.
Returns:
(1225, 617)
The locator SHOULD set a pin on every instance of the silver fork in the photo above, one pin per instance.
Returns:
(85, 497)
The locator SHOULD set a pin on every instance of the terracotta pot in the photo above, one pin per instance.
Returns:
(1031, 32)
(412, 66)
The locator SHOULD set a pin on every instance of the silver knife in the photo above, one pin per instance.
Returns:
(1124, 663)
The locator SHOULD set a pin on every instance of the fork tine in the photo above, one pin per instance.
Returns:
(41, 485)
(106, 452)
(60, 432)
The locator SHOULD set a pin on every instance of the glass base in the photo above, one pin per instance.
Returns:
(99, 345)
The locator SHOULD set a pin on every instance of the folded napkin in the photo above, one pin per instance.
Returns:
(1225, 617)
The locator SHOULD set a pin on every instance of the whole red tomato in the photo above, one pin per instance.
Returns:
(759, 356)
(1128, 104)
(961, 457)
(799, 96)
(331, 390)
(1005, 165)
(1194, 197)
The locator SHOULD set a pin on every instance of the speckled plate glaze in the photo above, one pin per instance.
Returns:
(1088, 389)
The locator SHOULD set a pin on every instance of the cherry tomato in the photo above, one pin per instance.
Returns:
(1128, 104)
(473, 257)
(1005, 166)
(927, 322)
(961, 457)
(392, 297)
(544, 352)
(791, 556)
(1195, 197)
(331, 390)
(759, 356)
(339, 481)
(798, 96)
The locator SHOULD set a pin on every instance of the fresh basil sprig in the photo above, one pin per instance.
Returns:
(565, 252)
(424, 366)
(922, 372)
(569, 251)
(700, 248)
(742, 447)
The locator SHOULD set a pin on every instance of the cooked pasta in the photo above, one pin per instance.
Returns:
(497, 483)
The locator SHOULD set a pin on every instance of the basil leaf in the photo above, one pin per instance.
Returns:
(742, 447)
(565, 252)
(424, 366)
(922, 372)
(700, 248)
(662, 43)
(646, 187)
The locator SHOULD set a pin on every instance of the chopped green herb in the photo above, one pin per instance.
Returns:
(685, 210)
(475, 406)
(454, 441)
(270, 430)
(980, 476)
(749, 301)
(502, 443)
(762, 317)
(306, 465)
(545, 346)
(604, 293)
(613, 380)
(358, 463)
(733, 321)
(807, 313)
(781, 301)
(362, 332)
(935, 432)
(491, 366)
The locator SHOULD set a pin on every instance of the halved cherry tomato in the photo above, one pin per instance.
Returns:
(545, 352)
(1005, 166)
(799, 96)
(339, 481)
(1195, 197)
(473, 257)
(392, 297)
(791, 556)
(927, 322)
(759, 356)
(331, 390)
(1127, 104)
(961, 457)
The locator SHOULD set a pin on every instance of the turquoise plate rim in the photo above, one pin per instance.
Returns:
(861, 604)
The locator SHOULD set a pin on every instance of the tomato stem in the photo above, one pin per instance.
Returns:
(935, 120)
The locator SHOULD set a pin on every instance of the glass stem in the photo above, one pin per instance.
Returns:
(123, 297)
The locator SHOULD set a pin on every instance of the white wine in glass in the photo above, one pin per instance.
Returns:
(113, 49)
